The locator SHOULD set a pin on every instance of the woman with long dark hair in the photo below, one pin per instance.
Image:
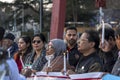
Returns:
(37, 57)
(24, 50)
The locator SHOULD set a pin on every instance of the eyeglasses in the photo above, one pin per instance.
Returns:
(49, 46)
(36, 41)
(82, 40)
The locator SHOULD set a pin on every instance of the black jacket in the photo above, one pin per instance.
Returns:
(73, 56)
(90, 63)
(108, 59)
(116, 68)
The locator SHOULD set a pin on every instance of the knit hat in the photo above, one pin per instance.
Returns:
(59, 46)
(9, 36)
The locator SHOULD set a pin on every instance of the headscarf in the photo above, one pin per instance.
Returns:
(59, 46)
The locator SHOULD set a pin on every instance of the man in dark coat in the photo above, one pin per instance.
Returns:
(70, 38)
(9, 44)
(88, 45)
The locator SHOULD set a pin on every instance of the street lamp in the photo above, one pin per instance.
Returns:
(14, 28)
(23, 26)
(41, 14)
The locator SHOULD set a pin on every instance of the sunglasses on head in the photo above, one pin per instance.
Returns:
(36, 41)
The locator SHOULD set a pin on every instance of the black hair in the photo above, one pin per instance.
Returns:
(71, 28)
(41, 36)
(27, 40)
(2, 32)
(117, 31)
(109, 32)
(93, 37)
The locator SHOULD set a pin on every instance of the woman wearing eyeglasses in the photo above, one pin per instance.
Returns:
(54, 55)
(37, 58)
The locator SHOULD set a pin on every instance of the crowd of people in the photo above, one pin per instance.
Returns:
(85, 53)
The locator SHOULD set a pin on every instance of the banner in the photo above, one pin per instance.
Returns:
(84, 76)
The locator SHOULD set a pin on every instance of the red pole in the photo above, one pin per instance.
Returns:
(58, 19)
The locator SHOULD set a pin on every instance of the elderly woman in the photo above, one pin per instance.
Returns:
(54, 53)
